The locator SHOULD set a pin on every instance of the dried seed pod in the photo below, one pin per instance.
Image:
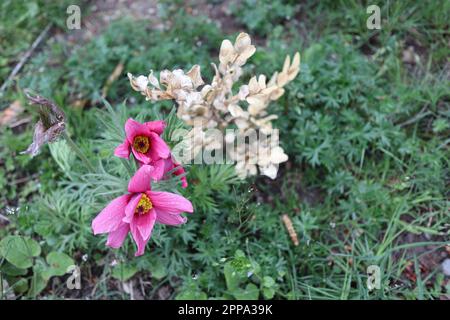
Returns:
(50, 125)
(290, 228)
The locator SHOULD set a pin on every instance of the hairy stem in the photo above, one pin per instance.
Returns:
(78, 151)
(127, 165)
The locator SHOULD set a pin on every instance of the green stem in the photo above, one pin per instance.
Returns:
(78, 151)
(127, 165)
(1, 285)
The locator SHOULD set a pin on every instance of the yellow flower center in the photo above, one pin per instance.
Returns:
(144, 205)
(141, 144)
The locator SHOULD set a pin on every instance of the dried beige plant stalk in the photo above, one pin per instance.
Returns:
(216, 105)
(290, 228)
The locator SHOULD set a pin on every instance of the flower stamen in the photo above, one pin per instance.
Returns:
(141, 144)
(144, 205)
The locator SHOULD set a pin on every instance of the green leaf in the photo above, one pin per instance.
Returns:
(251, 292)
(268, 282)
(312, 53)
(239, 254)
(232, 277)
(20, 286)
(191, 295)
(11, 270)
(38, 283)
(19, 250)
(58, 263)
(123, 271)
(440, 125)
(268, 293)
(158, 270)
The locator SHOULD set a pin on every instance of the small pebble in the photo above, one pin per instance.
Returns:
(446, 267)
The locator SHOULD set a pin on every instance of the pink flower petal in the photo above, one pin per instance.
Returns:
(134, 128)
(180, 171)
(169, 202)
(184, 183)
(137, 237)
(123, 150)
(117, 237)
(110, 218)
(144, 224)
(141, 157)
(131, 207)
(159, 169)
(156, 126)
(141, 180)
(169, 219)
(158, 147)
(171, 164)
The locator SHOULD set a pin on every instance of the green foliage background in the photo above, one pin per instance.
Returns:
(367, 136)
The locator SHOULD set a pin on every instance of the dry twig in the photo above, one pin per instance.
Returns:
(25, 57)
(290, 228)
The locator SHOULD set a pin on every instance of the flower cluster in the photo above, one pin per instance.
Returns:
(138, 210)
(215, 105)
(145, 142)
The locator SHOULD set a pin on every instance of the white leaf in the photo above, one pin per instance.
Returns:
(243, 92)
(226, 51)
(270, 171)
(242, 42)
(278, 155)
(152, 79)
(142, 82)
(195, 76)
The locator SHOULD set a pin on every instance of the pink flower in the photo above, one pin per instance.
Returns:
(163, 166)
(144, 141)
(179, 171)
(137, 211)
